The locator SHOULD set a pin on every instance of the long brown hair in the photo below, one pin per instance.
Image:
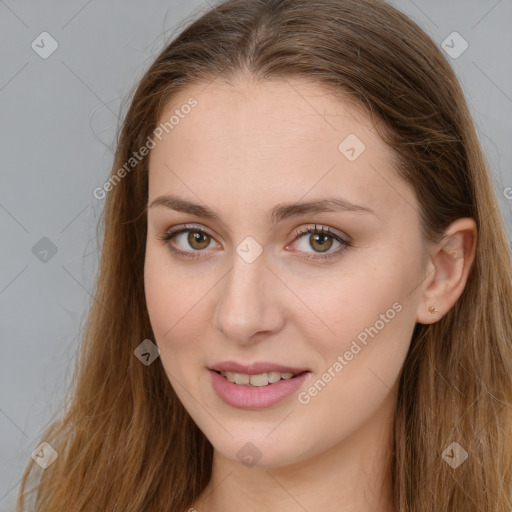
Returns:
(125, 442)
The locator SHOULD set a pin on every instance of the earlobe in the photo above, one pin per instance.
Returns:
(449, 265)
(433, 310)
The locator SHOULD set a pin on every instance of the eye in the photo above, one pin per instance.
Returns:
(195, 237)
(191, 240)
(321, 240)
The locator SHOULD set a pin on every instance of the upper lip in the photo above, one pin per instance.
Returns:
(255, 368)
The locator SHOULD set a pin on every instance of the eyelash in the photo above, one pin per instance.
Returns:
(325, 230)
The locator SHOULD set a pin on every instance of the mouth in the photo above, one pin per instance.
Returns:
(257, 390)
(258, 380)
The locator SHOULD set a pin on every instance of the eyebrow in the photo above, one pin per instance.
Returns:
(278, 213)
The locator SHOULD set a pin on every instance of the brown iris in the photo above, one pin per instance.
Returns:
(320, 239)
(196, 237)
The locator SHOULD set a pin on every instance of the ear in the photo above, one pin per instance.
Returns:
(447, 270)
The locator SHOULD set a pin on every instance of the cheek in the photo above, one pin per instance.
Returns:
(338, 308)
(176, 305)
(359, 321)
(358, 365)
(362, 327)
(161, 304)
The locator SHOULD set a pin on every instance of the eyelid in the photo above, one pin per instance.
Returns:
(321, 228)
(190, 227)
(180, 228)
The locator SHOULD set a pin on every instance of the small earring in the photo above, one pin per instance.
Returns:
(433, 310)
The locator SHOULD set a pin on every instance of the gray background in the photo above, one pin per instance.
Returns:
(59, 116)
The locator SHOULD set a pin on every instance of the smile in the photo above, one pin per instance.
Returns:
(257, 391)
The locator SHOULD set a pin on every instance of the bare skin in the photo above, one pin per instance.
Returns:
(241, 151)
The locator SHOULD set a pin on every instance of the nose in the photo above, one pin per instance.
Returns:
(248, 302)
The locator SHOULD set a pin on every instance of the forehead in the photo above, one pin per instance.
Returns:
(268, 142)
(275, 112)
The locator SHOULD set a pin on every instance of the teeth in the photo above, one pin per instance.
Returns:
(261, 379)
(274, 377)
(241, 378)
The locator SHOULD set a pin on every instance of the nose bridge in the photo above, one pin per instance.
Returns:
(247, 304)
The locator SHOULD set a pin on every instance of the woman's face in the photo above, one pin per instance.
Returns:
(258, 289)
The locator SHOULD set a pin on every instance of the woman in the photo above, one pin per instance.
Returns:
(303, 300)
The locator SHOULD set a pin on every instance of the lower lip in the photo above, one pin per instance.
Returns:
(246, 397)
